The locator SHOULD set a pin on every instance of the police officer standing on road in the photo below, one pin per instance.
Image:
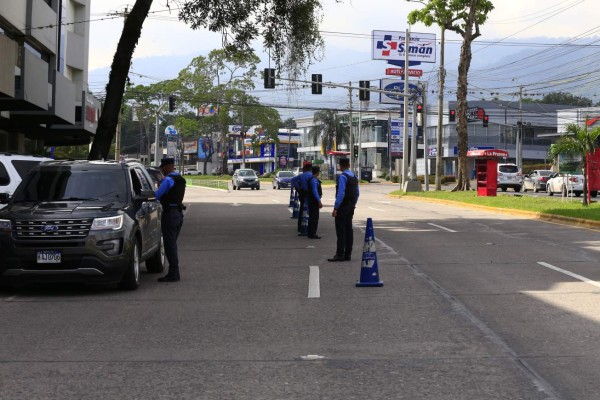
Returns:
(346, 197)
(314, 203)
(300, 183)
(170, 194)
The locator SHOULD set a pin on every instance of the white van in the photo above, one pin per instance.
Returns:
(13, 167)
(509, 176)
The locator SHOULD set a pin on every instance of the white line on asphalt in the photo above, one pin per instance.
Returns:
(376, 209)
(276, 201)
(441, 227)
(314, 290)
(383, 202)
(572, 274)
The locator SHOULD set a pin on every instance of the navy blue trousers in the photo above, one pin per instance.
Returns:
(172, 220)
(343, 231)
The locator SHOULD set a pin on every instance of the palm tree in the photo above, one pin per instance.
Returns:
(329, 129)
(577, 141)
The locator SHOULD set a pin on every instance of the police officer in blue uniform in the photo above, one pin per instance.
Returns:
(314, 202)
(300, 183)
(346, 197)
(170, 194)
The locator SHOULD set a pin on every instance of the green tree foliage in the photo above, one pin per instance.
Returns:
(290, 30)
(577, 141)
(463, 17)
(565, 99)
(328, 130)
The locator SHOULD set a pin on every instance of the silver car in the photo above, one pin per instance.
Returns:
(245, 177)
(536, 180)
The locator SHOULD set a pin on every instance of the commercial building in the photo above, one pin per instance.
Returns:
(44, 95)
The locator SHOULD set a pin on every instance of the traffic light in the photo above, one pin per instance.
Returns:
(269, 77)
(452, 116)
(317, 87)
(486, 120)
(419, 108)
(364, 94)
(355, 151)
(171, 103)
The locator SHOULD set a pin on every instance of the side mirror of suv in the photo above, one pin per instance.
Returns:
(4, 197)
(145, 195)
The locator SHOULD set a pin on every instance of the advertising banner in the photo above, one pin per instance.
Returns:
(190, 147)
(397, 88)
(205, 148)
(390, 46)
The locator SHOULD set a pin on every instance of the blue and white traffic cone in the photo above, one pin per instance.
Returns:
(304, 223)
(292, 191)
(296, 209)
(369, 271)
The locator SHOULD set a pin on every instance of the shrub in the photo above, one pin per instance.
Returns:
(395, 179)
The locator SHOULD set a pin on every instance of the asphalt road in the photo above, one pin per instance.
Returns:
(475, 305)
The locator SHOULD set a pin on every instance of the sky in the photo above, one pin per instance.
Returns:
(167, 45)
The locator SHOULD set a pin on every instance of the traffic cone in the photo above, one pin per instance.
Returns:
(304, 224)
(369, 271)
(292, 191)
(296, 209)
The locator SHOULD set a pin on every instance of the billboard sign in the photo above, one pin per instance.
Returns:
(417, 73)
(390, 46)
(396, 86)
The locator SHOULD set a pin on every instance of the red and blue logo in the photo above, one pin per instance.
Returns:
(387, 45)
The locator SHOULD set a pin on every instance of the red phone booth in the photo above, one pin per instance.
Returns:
(486, 170)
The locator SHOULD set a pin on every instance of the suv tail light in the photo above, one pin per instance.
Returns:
(572, 179)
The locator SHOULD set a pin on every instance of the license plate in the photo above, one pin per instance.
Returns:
(49, 257)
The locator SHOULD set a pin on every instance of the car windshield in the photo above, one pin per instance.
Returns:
(509, 169)
(286, 174)
(56, 185)
(545, 173)
(246, 172)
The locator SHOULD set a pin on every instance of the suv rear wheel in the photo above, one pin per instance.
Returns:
(131, 279)
(156, 262)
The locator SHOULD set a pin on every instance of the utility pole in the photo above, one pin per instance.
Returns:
(350, 124)
(519, 144)
(156, 142)
(424, 123)
(439, 168)
(405, 103)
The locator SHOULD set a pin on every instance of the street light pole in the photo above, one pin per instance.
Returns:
(156, 143)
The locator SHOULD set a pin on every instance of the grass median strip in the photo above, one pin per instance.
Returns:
(553, 206)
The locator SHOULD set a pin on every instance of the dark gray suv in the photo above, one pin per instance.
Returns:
(82, 221)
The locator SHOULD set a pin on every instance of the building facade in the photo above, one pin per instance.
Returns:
(44, 95)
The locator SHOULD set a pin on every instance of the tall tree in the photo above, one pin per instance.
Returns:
(290, 30)
(329, 130)
(463, 17)
(577, 141)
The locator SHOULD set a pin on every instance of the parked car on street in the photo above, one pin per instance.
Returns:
(81, 221)
(13, 167)
(566, 184)
(536, 180)
(191, 171)
(509, 176)
(245, 177)
(283, 179)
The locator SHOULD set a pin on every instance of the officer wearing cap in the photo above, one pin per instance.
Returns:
(170, 194)
(346, 196)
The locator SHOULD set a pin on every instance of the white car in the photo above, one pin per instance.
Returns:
(509, 176)
(565, 184)
(191, 171)
(13, 168)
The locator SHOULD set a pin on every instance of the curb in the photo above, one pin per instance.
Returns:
(559, 219)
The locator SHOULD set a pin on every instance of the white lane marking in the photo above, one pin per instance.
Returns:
(314, 290)
(383, 202)
(441, 227)
(376, 209)
(571, 274)
(276, 201)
